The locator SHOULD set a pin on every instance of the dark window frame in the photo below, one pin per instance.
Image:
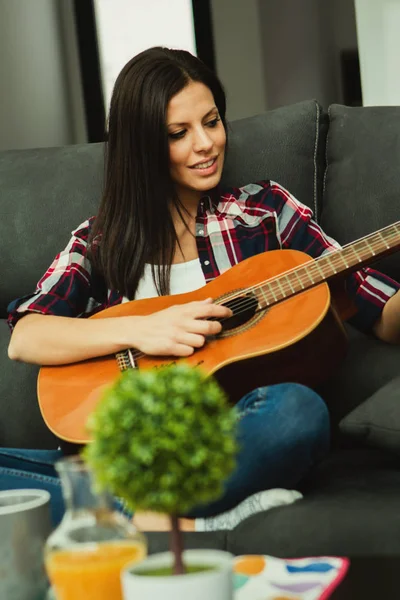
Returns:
(89, 57)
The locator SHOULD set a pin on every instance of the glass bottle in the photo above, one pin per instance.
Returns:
(85, 554)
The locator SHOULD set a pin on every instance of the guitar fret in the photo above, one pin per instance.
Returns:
(384, 241)
(347, 260)
(344, 260)
(396, 231)
(370, 247)
(318, 266)
(290, 285)
(325, 267)
(280, 287)
(272, 292)
(366, 246)
(339, 257)
(356, 253)
(300, 281)
(309, 275)
(304, 272)
(264, 297)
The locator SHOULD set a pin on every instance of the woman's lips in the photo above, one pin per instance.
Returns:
(210, 167)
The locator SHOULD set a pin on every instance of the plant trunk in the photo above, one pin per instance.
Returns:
(177, 546)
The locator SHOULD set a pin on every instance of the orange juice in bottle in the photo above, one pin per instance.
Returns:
(85, 554)
(93, 571)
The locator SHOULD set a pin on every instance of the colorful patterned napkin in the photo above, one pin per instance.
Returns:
(268, 578)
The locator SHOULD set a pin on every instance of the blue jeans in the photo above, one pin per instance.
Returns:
(33, 469)
(283, 430)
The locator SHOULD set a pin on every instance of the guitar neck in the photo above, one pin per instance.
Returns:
(334, 264)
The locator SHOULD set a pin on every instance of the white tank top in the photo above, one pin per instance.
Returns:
(185, 277)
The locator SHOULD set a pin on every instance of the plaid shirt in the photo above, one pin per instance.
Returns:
(231, 225)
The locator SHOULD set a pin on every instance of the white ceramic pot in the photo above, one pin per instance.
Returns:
(25, 525)
(215, 584)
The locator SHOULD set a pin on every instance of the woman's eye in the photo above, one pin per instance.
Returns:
(177, 135)
(214, 122)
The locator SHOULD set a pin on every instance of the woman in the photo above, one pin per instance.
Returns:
(166, 226)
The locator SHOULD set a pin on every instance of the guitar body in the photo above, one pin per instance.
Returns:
(300, 339)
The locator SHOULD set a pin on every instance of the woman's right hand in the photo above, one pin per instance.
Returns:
(179, 329)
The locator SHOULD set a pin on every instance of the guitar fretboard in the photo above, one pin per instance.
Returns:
(326, 267)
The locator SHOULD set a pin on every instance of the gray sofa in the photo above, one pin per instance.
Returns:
(345, 165)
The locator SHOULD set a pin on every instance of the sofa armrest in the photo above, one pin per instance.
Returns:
(21, 424)
(369, 365)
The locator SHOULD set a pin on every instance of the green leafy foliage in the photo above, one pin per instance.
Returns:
(163, 439)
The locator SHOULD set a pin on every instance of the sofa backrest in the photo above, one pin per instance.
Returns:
(46, 193)
(362, 179)
(286, 145)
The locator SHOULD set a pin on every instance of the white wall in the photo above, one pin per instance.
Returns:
(239, 59)
(127, 27)
(35, 105)
(378, 27)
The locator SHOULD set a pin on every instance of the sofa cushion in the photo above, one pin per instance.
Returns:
(369, 365)
(376, 421)
(362, 179)
(341, 514)
(286, 145)
(45, 193)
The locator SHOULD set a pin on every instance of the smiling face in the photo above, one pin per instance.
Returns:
(196, 142)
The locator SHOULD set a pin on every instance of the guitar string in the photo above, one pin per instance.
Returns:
(314, 264)
(247, 303)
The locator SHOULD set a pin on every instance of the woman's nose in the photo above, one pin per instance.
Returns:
(202, 141)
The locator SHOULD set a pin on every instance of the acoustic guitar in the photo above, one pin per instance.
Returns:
(284, 328)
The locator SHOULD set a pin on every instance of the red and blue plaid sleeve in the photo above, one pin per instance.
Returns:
(368, 288)
(65, 288)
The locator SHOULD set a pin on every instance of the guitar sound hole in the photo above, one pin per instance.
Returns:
(243, 307)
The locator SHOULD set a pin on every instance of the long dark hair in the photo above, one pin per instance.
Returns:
(134, 223)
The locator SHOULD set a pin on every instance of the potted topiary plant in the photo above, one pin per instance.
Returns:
(163, 440)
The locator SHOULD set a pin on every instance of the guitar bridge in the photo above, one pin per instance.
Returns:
(125, 360)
